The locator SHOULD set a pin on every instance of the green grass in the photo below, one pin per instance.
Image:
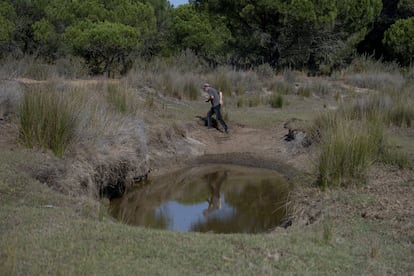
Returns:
(37, 240)
(44, 232)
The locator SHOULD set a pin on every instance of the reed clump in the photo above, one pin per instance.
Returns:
(348, 148)
(354, 138)
(47, 119)
(276, 100)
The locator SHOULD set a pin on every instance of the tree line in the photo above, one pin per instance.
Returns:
(315, 35)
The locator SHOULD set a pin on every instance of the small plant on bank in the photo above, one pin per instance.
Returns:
(276, 100)
(327, 233)
(47, 120)
(240, 101)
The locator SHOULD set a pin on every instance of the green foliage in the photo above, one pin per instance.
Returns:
(301, 11)
(326, 12)
(406, 5)
(194, 31)
(103, 44)
(399, 39)
(135, 14)
(356, 15)
(46, 37)
(47, 120)
(314, 34)
(7, 10)
(7, 29)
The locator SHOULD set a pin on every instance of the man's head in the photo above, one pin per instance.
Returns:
(206, 86)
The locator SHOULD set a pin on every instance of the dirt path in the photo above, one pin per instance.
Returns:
(261, 144)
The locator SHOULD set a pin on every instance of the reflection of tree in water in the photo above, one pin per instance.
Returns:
(259, 207)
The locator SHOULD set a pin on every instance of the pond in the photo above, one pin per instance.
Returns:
(208, 198)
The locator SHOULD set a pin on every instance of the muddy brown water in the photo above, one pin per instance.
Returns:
(208, 198)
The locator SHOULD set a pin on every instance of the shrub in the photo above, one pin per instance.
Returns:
(264, 71)
(276, 100)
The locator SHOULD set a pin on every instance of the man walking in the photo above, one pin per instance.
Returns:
(214, 98)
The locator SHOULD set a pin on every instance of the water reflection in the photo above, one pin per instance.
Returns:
(214, 181)
(220, 199)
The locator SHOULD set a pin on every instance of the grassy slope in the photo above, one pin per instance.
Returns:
(45, 232)
(59, 240)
